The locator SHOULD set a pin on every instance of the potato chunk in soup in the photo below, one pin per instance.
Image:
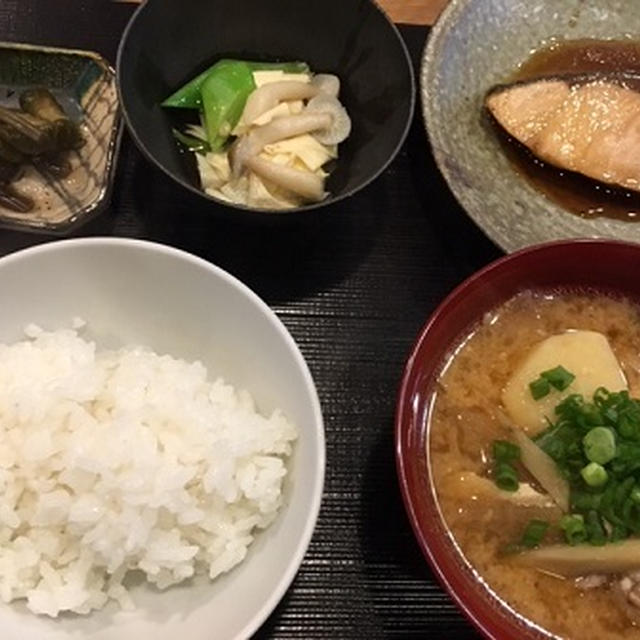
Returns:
(586, 354)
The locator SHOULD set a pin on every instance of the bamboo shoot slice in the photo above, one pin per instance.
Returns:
(543, 468)
(526, 496)
(582, 560)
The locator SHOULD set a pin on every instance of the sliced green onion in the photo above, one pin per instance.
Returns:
(505, 451)
(505, 477)
(595, 443)
(594, 474)
(534, 533)
(607, 497)
(600, 396)
(623, 491)
(627, 510)
(585, 500)
(600, 445)
(574, 529)
(631, 516)
(627, 459)
(591, 417)
(626, 427)
(539, 388)
(613, 498)
(618, 532)
(596, 533)
(559, 378)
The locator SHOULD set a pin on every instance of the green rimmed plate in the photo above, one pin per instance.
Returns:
(84, 84)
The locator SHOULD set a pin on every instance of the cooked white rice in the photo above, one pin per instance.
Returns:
(126, 460)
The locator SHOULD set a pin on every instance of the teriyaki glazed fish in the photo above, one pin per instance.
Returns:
(586, 123)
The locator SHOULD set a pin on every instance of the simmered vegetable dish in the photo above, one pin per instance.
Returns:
(265, 133)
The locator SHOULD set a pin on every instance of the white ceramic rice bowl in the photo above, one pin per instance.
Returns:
(137, 292)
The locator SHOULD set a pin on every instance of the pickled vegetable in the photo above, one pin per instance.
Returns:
(42, 104)
(27, 134)
(39, 133)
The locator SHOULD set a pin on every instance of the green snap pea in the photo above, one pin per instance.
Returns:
(189, 95)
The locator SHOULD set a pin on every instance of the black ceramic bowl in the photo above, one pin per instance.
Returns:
(168, 42)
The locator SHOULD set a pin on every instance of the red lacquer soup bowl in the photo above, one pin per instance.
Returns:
(606, 266)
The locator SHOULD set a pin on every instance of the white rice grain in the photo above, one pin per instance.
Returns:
(120, 461)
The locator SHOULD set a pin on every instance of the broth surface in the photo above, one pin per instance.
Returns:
(467, 416)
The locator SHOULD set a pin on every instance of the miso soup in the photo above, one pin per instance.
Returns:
(469, 415)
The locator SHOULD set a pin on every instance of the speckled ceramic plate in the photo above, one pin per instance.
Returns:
(84, 85)
(475, 45)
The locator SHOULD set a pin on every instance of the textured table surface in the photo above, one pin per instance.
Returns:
(354, 284)
(414, 11)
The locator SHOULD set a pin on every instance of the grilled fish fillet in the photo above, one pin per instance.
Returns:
(590, 127)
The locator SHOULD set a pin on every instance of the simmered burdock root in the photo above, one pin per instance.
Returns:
(587, 125)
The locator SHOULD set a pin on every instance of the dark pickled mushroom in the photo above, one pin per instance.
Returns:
(9, 171)
(55, 165)
(27, 134)
(9, 154)
(41, 103)
(40, 133)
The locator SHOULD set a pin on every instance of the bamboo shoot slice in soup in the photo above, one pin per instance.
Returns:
(586, 344)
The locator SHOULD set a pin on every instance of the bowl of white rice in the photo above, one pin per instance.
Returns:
(161, 447)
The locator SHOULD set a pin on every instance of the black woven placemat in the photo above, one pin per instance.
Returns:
(353, 284)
